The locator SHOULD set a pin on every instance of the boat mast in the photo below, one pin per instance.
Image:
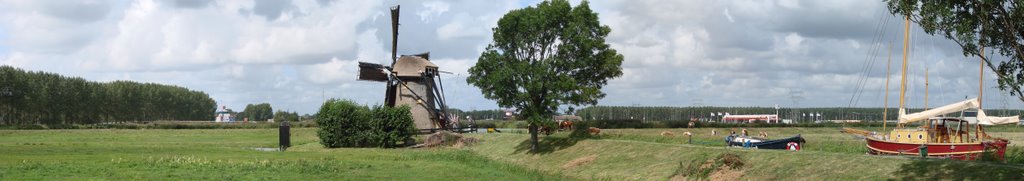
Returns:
(926, 88)
(981, 75)
(885, 111)
(903, 75)
(981, 78)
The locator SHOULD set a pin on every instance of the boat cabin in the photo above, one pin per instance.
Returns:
(936, 130)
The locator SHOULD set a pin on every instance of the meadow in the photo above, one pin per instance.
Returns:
(645, 154)
(228, 154)
(617, 154)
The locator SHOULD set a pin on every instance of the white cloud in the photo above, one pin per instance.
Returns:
(728, 16)
(749, 53)
(432, 9)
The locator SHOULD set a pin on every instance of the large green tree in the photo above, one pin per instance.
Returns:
(546, 56)
(997, 25)
(258, 112)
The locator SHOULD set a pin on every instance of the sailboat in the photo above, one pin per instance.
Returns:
(937, 136)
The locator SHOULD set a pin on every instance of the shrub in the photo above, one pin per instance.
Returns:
(1014, 155)
(344, 123)
(390, 125)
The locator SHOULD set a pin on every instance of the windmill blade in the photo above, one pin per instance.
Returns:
(372, 72)
(394, 34)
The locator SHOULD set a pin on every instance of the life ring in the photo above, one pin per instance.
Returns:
(793, 146)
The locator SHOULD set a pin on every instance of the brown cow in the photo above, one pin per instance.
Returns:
(545, 130)
(667, 133)
(594, 131)
(565, 125)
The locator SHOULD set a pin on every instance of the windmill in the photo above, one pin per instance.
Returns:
(411, 80)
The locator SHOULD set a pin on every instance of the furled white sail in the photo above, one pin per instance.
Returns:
(957, 107)
(951, 108)
(989, 120)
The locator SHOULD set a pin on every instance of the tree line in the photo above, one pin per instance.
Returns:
(36, 97)
(256, 112)
(802, 115)
(478, 114)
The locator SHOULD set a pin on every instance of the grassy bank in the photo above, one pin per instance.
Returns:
(642, 154)
(228, 154)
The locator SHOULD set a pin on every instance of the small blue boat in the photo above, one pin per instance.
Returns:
(762, 143)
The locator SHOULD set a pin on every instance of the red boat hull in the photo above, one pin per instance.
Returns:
(958, 151)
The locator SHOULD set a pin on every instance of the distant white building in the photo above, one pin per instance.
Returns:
(767, 118)
(224, 115)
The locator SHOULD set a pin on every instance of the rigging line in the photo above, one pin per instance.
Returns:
(879, 32)
(869, 62)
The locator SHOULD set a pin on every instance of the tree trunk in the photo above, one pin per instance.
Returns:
(533, 138)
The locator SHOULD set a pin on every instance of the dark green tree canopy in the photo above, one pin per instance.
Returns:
(258, 112)
(997, 25)
(35, 97)
(546, 56)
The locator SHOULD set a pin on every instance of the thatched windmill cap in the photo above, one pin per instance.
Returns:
(412, 66)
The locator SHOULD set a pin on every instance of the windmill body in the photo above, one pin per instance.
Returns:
(411, 80)
(417, 74)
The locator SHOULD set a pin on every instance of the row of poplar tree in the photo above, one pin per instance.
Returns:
(35, 97)
(716, 113)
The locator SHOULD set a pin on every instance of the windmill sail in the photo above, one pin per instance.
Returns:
(372, 72)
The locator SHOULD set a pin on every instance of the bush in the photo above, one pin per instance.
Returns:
(391, 125)
(166, 125)
(344, 123)
(1014, 155)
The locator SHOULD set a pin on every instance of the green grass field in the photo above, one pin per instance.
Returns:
(643, 154)
(228, 154)
(622, 154)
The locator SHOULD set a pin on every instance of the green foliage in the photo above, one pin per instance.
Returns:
(995, 24)
(495, 114)
(280, 116)
(257, 112)
(163, 125)
(52, 99)
(639, 124)
(1014, 155)
(704, 113)
(344, 123)
(391, 125)
(546, 56)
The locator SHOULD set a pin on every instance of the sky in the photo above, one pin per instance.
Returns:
(294, 54)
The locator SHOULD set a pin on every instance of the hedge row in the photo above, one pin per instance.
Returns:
(635, 123)
(344, 123)
(163, 125)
